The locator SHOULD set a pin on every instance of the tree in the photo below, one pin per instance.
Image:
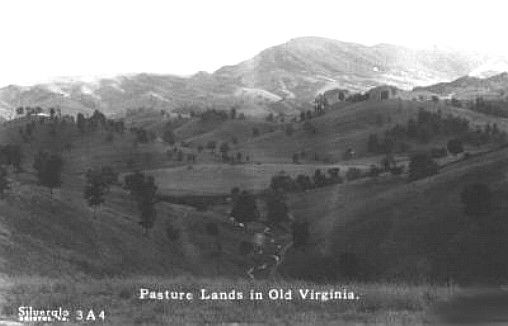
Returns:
(334, 175)
(95, 189)
(277, 209)
(282, 181)
(49, 170)
(454, 146)
(169, 137)
(421, 166)
(388, 162)
(232, 113)
(81, 122)
(353, 173)
(143, 189)
(245, 208)
(224, 149)
(303, 182)
(477, 199)
(4, 182)
(11, 155)
(211, 145)
(319, 178)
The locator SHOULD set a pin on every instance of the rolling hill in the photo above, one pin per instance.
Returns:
(469, 88)
(279, 79)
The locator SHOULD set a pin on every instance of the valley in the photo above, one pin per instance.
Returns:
(234, 181)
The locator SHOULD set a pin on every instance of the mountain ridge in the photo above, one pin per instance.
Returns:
(292, 72)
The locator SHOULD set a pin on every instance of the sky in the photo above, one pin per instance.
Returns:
(44, 40)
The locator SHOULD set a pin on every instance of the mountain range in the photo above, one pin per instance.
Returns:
(281, 78)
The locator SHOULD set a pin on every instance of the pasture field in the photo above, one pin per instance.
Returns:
(221, 178)
(378, 303)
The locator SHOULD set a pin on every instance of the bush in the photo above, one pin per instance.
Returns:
(374, 171)
(283, 182)
(397, 170)
(353, 174)
(438, 152)
(455, 146)
(303, 182)
(422, 166)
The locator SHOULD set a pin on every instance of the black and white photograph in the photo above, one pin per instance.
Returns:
(253, 162)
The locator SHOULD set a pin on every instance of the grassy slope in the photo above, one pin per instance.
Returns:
(379, 303)
(397, 226)
(349, 127)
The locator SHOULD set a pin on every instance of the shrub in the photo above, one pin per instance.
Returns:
(422, 166)
(455, 146)
(353, 174)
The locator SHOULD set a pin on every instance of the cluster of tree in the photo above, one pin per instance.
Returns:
(428, 125)
(214, 115)
(422, 165)
(305, 115)
(27, 132)
(277, 211)
(29, 111)
(142, 135)
(143, 190)
(99, 121)
(358, 97)
(302, 182)
(49, 169)
(168, 136)
(11, 155)
(244, 207)
(97, 186)
(320, 104)
(496, 108)
(5, 184)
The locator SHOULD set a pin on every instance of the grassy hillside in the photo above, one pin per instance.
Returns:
(380, 229)
(349, 126)
(378, 303)
(417, 230)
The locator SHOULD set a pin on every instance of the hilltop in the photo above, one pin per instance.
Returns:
(470, 88)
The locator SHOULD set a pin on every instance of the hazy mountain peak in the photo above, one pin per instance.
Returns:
(294, 71)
